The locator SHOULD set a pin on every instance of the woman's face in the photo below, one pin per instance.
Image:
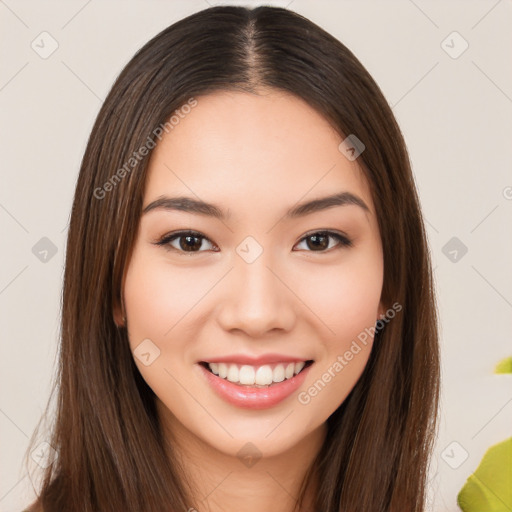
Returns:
(259, 289)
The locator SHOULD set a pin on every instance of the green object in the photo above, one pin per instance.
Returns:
(489, 488)
(504, 366)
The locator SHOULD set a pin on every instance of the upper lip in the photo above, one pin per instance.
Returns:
(255, 361)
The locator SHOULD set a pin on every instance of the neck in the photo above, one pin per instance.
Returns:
(225, 482)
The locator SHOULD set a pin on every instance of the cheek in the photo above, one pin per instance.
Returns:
(345, 297)
(347, 301)
(347, 304)
(159, 302)
(158, 298)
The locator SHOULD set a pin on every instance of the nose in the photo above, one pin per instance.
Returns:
(256, 299)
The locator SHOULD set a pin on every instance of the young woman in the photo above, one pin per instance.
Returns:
(248, 308)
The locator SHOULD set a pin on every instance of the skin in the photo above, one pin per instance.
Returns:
(255, 156)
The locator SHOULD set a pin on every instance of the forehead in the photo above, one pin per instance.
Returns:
(271, 147)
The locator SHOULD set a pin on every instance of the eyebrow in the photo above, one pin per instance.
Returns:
(191, 205)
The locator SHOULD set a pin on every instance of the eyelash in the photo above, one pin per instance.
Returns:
(167, 239)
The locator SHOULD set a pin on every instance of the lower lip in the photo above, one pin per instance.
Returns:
(254, 398)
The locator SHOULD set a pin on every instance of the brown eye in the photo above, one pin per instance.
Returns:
(320, 241)
(188, 241)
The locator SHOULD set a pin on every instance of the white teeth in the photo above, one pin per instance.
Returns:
(278, 375)
(256, 375)
(264, 375)
(247, 374)
(290, 369)
(233, 373)
(223, 370)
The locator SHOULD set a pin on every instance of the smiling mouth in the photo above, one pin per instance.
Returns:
(263, 376)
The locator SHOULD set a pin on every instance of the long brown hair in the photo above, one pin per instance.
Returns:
(112, 453)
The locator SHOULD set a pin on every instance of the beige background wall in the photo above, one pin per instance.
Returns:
(454, 106)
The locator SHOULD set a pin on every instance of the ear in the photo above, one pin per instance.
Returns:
(381, 311)
(118, 314)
